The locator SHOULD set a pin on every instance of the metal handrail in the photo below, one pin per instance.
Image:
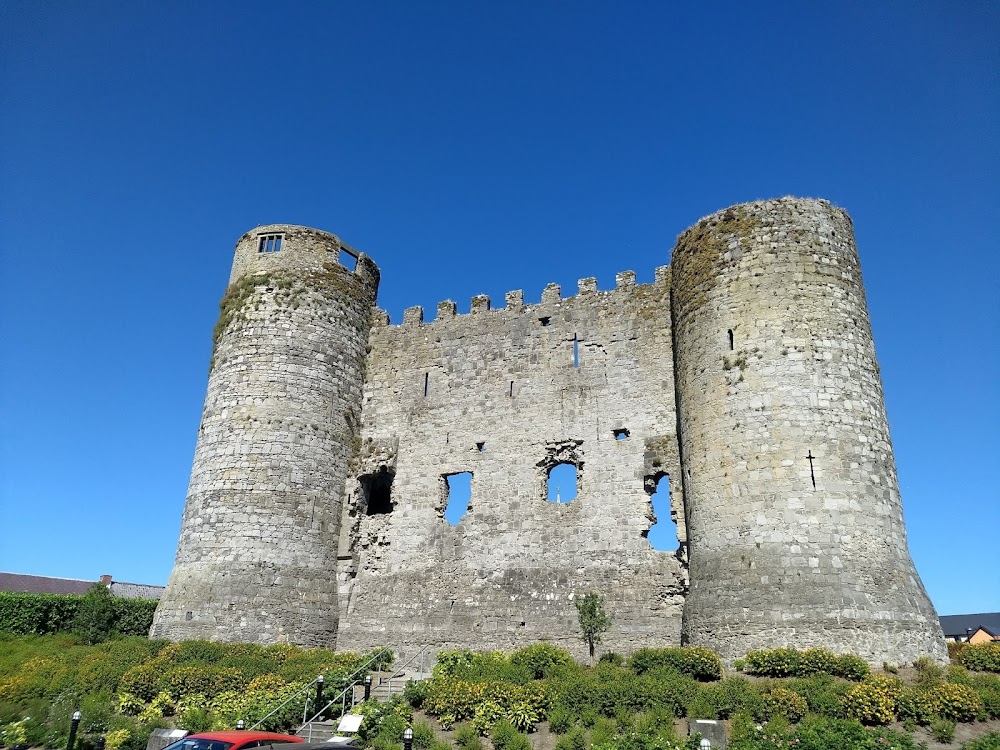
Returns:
(284, 703)
(342, 696)
(352, 676)
(404, 665)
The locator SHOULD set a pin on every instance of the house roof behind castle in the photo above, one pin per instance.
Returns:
(960, 625)
(27, 584)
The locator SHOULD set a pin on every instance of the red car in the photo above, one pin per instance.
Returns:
(235, 740)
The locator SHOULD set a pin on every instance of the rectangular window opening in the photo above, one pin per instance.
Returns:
(512, 389)
(576, 351)
(348, 259)
(459, 492)
(546, 321)
(621, 434)
(427, 383)
(270, 243)
(481, 447)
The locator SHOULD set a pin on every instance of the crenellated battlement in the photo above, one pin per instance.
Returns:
(587, 290)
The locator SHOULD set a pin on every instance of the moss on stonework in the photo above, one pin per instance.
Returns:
(698, 254)
(292, 289)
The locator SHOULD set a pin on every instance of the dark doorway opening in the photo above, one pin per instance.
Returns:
(377, 489)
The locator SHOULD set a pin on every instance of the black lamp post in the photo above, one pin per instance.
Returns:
(319, 693)
(73, 725)
(368, 686)
(99, 743)
(408, 739)
(240, 724)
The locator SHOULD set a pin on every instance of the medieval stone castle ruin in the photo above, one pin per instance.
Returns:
(745, 373)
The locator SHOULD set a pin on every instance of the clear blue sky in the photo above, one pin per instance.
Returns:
(469, 148)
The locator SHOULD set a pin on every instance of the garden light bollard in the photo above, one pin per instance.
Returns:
(72, 729)
(408, 738)
(99, 743)
(240, 725)
(368, 686)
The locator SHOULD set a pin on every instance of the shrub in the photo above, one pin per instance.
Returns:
(955, 650)
(575, 740)
(467, 738)
(981, 657)
(116, 738)
(823, 693)
(817, 661)
(734, 695)
(539, 659)
(613, 658)
(943, 730)
(874, 700)
(560, 720)
(851, 667)
(956, 702)
(916, 706)
(929, 673)
(990, 741)
(775, 662)
(502, 735)
(423, 735)
(415, 693)
(739, 664)
(194, 719)
(820, 733)
(988, 688)
(693, 661)
(782, 702)
(142, 681)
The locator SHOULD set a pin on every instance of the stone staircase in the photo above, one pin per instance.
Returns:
(384, 687)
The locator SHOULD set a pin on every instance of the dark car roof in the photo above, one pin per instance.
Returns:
(238, 736)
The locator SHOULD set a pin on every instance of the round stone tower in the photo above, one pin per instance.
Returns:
(794, 518)
(257, 554)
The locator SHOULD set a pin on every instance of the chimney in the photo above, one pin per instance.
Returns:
(106, 580)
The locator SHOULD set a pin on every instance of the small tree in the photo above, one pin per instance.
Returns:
(95, 615)
(593, 619)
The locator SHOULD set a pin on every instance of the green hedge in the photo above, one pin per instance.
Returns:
(43, 614)
(981, 657)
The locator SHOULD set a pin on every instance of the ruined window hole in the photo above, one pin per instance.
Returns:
(576, 351)
(376, 490)
(512, 389)
(427, 383)
(458, 492)
(621, 434)
(563, 482)
(546, 321)
(481, 447)
(270, 243)
(662, 535)
(348, 259)
(731, 341)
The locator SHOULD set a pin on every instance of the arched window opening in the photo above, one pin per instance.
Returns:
(663, 534)
(562, 483)
(730, 332)
(459, 496)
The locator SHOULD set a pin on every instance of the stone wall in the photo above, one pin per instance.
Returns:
(258, 540)
(498, 393)
(794, 515)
